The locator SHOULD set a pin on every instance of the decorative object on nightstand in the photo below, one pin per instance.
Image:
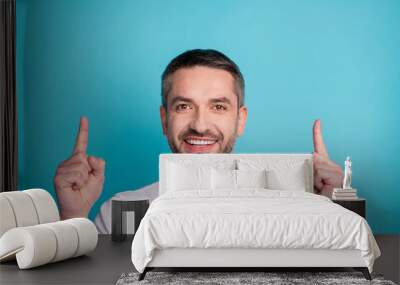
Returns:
(347, 196)
(126, 217)
(346, 192)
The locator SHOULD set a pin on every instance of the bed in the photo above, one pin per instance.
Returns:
(247, 211)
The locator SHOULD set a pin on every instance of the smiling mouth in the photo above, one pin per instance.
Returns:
(200, 142)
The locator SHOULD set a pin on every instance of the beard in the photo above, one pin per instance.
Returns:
(220, 138)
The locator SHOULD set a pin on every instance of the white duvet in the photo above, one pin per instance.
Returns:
(251, 218)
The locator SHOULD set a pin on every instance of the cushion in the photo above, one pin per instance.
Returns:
(23, 208)
(40, 244)
(7, 220)
(251, 178)
(281, 174)
(45, 206)
(223, 179)
(290, 179)
(26, 208)
(181, 177)
(30, 230)
(227, 179)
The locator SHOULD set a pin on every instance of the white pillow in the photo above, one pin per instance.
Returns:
(282, 174)
(251, 178)
(181, 177)
(223, 179)
(236, 179)
(290, 179)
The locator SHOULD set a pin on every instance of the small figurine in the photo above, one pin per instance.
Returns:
(347, 174)
(346, 192)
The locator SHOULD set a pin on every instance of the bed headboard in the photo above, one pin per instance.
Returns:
(225, 160)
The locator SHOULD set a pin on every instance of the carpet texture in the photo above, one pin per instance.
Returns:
(225, 278)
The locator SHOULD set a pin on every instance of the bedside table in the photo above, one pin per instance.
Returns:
(118, 207)
(356, 205)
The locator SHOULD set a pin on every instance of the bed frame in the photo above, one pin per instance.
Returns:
(250, 259)
(235, 259)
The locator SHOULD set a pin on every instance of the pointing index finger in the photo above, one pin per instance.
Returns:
(319, 145)
(82, 137)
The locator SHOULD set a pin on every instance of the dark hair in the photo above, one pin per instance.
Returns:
(202, 57)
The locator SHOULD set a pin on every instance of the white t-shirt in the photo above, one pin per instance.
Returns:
(103, 218)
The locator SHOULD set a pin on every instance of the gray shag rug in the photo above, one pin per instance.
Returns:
(225, 278)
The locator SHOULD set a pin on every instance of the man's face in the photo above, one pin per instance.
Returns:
(202, 115)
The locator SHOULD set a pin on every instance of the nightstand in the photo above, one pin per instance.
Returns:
(118, 209)
(356, 205)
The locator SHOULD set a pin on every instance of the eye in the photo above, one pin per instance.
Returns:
(182, 107)
(220, 107)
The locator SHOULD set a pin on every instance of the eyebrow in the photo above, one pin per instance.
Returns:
(180, 98)
(221, 100)
(214, 100)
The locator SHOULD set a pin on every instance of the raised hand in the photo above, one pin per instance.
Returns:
(79, 179)
(327, 174)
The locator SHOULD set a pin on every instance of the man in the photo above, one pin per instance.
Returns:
(202, 111)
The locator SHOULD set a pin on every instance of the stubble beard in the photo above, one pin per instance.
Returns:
(227, 148)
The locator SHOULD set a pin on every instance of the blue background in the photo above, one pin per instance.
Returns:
(302, 60)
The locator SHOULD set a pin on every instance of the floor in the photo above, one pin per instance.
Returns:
(388, 263)
(110, 259)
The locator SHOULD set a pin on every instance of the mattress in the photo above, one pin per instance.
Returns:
(252, 219)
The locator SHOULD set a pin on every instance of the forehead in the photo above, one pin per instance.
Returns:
(201, 83)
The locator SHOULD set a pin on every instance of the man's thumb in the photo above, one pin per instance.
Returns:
(319, 145)
(97, 165)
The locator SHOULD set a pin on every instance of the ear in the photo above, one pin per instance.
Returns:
(163, 117)
(242, 120)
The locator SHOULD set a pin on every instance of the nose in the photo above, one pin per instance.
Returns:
(199, 121)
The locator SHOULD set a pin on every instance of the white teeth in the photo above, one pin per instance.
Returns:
(200, 142)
